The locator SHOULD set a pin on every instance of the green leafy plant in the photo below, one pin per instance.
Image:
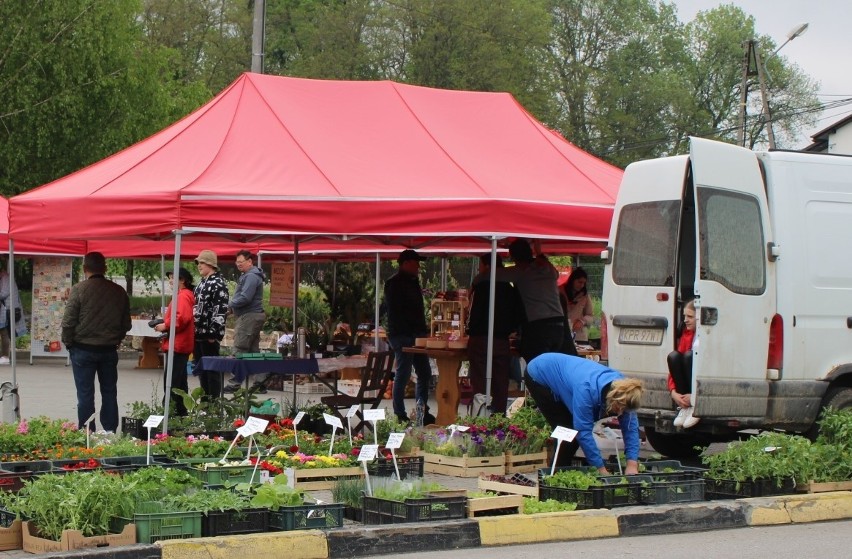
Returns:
(273, 495)
(348, 491)
(573, 479)
(532, 506)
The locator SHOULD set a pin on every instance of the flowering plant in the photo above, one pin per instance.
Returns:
(191, 446)
(300, 460)
(514, 437)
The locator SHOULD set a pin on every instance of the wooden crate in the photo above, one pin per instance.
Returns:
(813, 487)
(525, 463)
(464, 466)
(319, 479)
(11, 538)
(73, 539)
(483, 504)
(511, 488)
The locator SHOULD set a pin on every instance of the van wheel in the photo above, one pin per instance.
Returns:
(676, 445)
(838, 397)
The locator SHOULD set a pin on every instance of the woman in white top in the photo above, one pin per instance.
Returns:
(578, 305)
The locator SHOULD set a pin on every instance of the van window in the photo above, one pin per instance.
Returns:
(645, 244)
(731, 240)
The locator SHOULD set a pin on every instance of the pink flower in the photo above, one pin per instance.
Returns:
(23, 427)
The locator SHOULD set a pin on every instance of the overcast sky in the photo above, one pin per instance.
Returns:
(824, 52)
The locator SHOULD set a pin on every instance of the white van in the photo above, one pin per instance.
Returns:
(763, 242)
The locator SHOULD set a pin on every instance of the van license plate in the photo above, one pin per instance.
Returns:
(640, 336)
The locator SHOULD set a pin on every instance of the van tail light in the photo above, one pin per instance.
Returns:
(604, 339)
(775, 359)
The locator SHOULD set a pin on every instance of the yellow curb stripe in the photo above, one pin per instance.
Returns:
(765, 512)
(563, 526)
(307, 544)
(818, 507)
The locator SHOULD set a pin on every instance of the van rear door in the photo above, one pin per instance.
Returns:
(734, 280)
(639, 283)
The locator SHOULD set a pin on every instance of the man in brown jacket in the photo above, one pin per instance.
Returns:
(96, 320)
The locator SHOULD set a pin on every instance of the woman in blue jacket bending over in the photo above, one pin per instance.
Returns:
(577, 392)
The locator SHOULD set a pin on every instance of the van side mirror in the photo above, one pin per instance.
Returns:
(606, 255)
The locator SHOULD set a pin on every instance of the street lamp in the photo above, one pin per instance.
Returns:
(752, 54)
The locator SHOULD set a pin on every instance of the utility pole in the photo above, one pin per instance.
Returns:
(257, 36)
(753, 66)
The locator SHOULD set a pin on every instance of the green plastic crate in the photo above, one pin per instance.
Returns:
(224, 474)
(155, 526)
(249, 356)
(306, 517)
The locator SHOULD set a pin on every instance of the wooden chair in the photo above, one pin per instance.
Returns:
(375, 376)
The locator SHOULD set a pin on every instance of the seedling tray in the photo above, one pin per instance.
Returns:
(613, 494)
(661, 492)
(409, 466)
(229, 522)
(133, 463)
(155, 525)
(384, 511)
(306, 517)
(732, 489)
(134, 427)
(224, 474)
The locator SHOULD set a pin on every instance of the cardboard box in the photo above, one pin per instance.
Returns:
(11, 538)
(73, 539)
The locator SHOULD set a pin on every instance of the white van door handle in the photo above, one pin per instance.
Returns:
(709, 316)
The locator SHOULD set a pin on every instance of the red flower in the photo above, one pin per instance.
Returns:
(239, 422)
(286, 422)
(356, 451)
(294, 448)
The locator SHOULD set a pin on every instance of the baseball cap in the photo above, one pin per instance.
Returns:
(409, 254)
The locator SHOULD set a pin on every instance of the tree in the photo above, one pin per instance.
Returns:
(77, 83)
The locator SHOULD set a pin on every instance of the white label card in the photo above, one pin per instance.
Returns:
(352, 411)
(609, 433)
(374, 415)
(368, 452)
(256, 424)
(333, 420)
(564, 433)
(245, 430)
(153, 421)
(453, 428)
(395, 440)
(298, 417)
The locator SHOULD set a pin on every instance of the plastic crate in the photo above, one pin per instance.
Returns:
(154, 525)
(656, 469)
(661, 492)
(732, 489)
(59, 465)
(614, 493)
(306, 517)
(6, 518)
(224, 474)
(409, 466)
(383, 511)
(13, 474)
(133, 426)
(133, 463)
(229, 522)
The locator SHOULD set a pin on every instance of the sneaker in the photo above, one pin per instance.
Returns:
(230, 388)
(428, 419)
(691, 420)
(4, 361)
(680, 418)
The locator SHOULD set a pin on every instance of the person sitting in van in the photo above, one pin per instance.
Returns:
(680, 370)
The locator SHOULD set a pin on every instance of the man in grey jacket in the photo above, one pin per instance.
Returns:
(96, 320)
(247, 305)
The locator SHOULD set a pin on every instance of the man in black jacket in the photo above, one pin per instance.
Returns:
(407, 321)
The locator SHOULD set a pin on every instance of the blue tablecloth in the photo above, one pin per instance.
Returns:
(241, 368)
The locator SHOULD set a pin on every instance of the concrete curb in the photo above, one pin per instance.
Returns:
(490, 531)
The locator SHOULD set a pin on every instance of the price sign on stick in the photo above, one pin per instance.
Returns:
(245, 431)
(608, 433)
(457, 428)
(152, 421)
(561, 434)
(298, 417)
(88, 431)
(375, 416)
(368, 454)
(256, 424)
(350, 413)
(394, 442)
(336, 424)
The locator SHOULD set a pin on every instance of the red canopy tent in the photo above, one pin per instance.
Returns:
(306, 159)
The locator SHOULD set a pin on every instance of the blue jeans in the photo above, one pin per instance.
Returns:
(87, 364)
(404, 361)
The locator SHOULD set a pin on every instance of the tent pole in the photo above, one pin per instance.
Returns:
(13, 296)
(492, 293)
(170, 357)
(378, 301)
(296, 281)
(162, 285)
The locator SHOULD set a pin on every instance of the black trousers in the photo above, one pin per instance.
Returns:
(211, 381)
(680, 367)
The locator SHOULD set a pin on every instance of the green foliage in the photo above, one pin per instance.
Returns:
(348, 491)
(573, 479)
(154, 483)
(273, 495)
(532, 505)
(394, 490)
(835, 427)
(208, 500)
